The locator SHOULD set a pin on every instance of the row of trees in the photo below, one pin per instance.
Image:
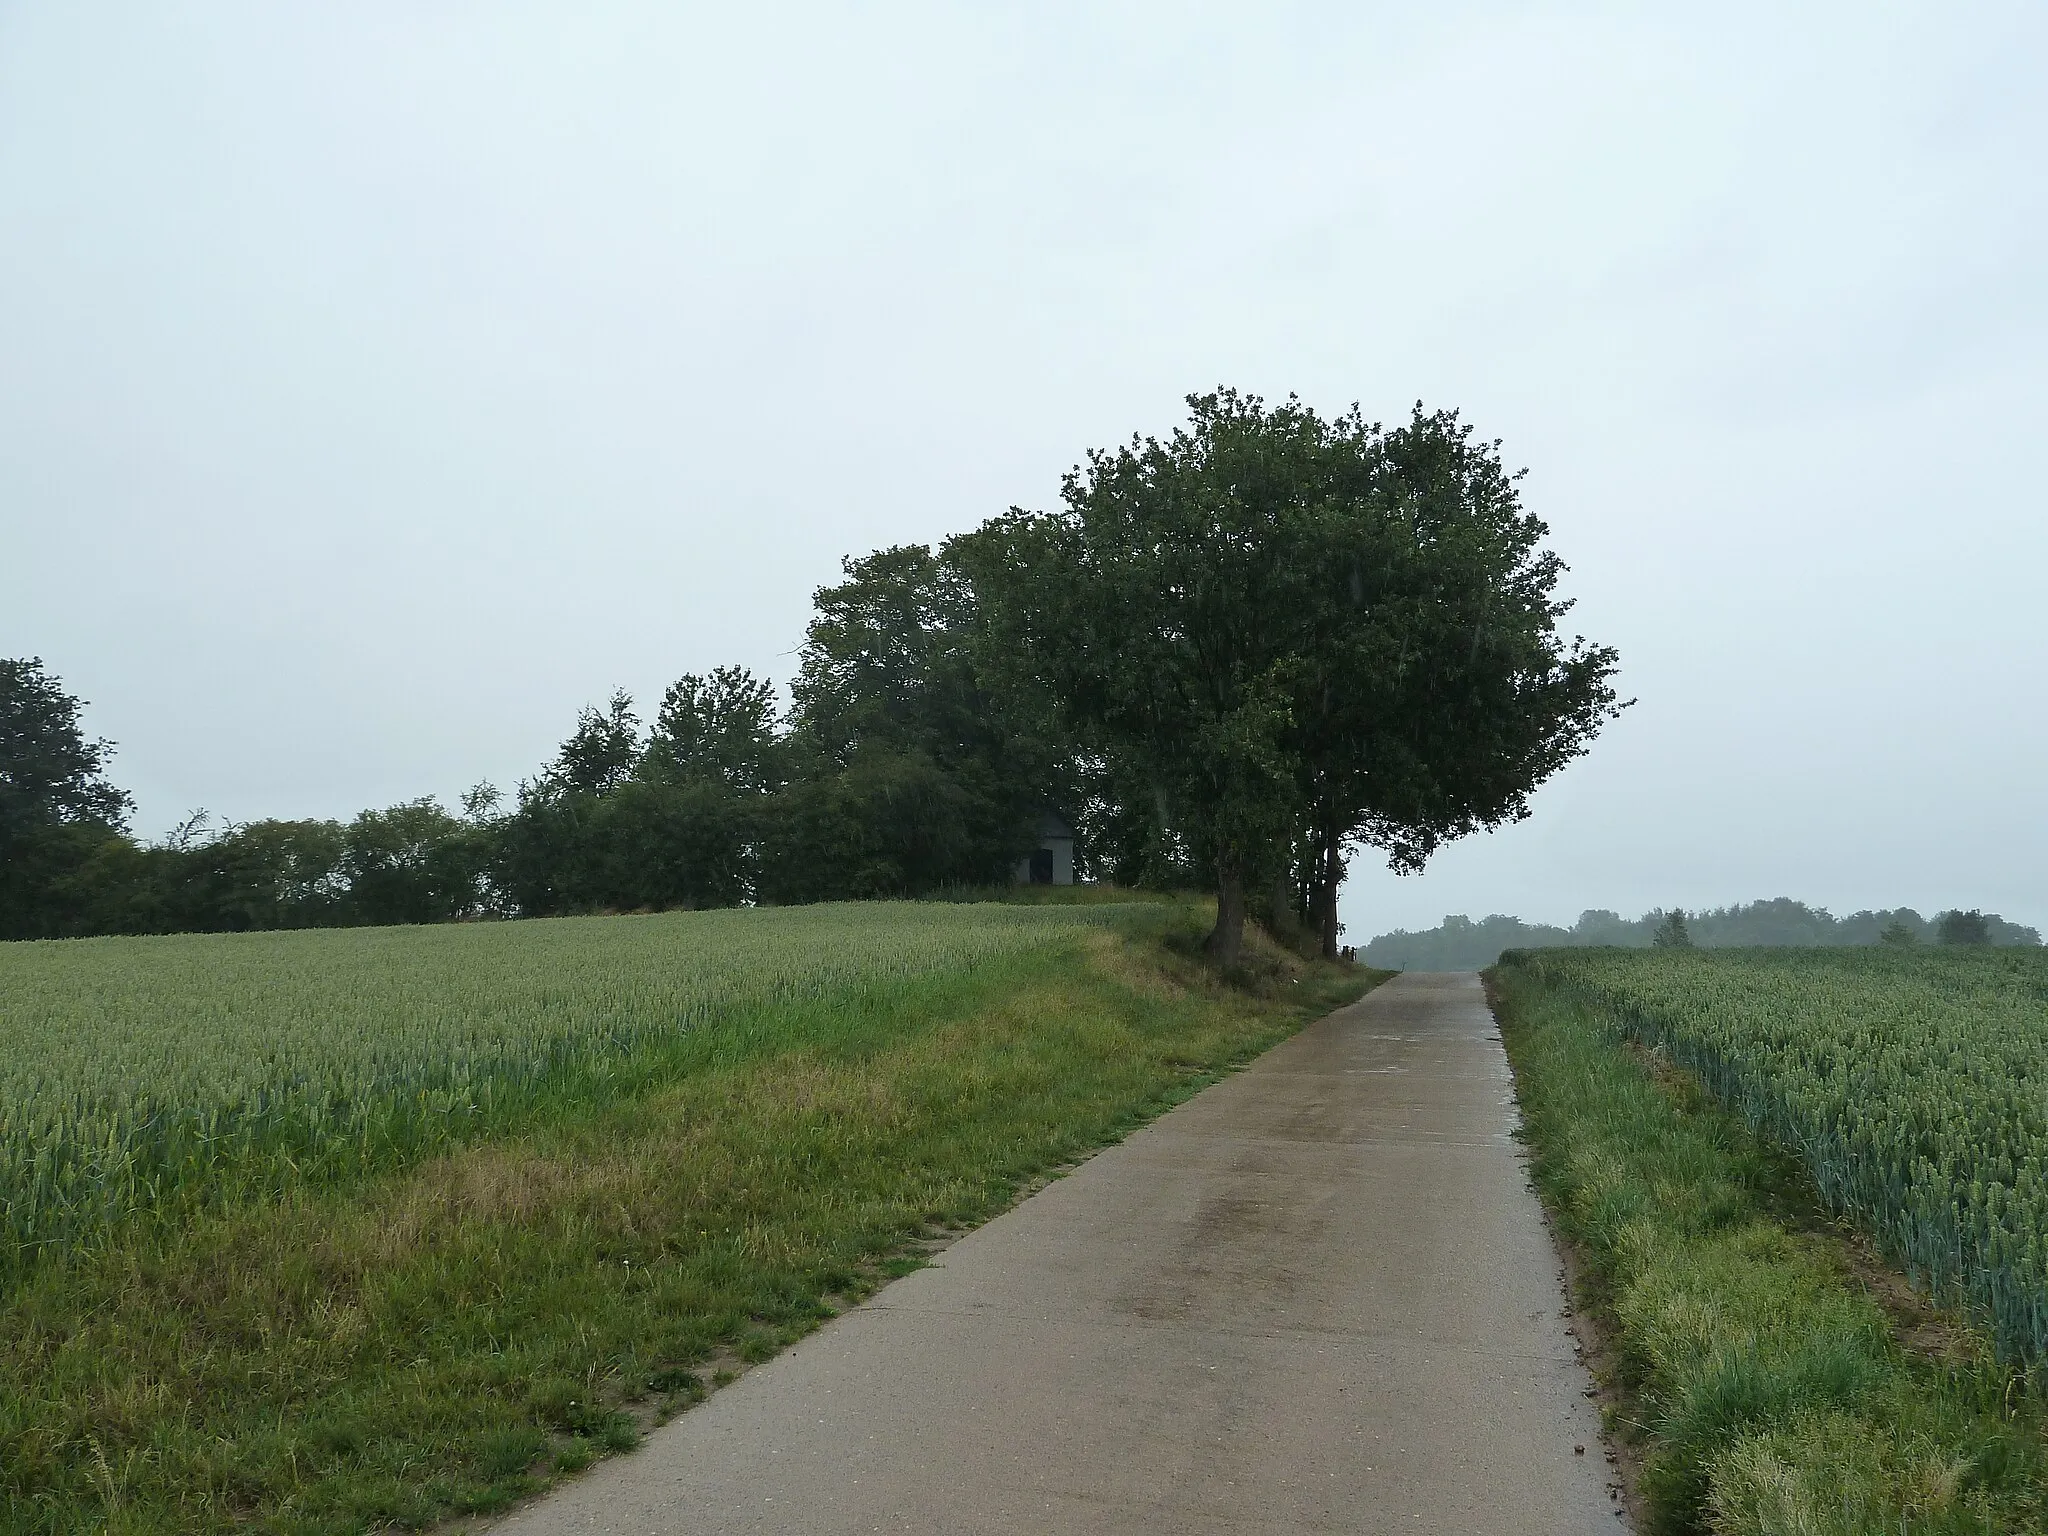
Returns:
(891, 775)
(1231, 657)
(1463, 943)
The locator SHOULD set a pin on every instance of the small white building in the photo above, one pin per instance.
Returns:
(1053, 863)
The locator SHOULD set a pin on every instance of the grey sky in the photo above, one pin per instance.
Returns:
(380, 383)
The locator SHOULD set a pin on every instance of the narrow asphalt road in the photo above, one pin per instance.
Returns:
(1317, 1297)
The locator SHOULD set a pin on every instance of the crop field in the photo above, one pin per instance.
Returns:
(145, 1074)
(326, 1232)
(1913, 1085)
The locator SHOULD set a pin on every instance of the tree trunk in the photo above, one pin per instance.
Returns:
(1333, 876)
(1227, 937)
(1284, 922)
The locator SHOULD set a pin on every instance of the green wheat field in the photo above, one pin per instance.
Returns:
(135, 1073)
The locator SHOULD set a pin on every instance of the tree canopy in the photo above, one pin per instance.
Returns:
(1297, 632)
(1670, 932)
(719, 728)
(49, 772)
(1971, 927)
(57, 807)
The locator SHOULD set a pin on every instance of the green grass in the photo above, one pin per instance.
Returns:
(1764, 1381)
(443, 1324)
(137, 1075)
(1093, 893)
(1911, 1083)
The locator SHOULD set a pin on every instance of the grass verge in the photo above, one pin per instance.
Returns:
(1761, 1380)
(450, 1337)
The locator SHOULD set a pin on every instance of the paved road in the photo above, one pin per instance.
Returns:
(1317, 1297)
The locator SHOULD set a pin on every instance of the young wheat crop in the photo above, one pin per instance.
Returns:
(134, 1072)
(1913, 1084)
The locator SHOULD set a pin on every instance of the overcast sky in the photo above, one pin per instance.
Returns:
(379, 383)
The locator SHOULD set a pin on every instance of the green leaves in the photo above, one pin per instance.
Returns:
(58, 810)
(915, 772)
(721, 727)
(1294, 628)
(49, 772)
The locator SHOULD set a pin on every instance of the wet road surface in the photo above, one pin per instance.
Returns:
(1318, 1296)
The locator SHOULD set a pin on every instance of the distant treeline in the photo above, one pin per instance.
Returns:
(1460, 944)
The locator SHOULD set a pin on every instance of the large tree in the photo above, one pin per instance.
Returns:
(617, 824)
(1297, 633)
(1434, 692)
(601, 752)
(57, 807)
(1157, 608)
(49, 772)
(912, 773)
(413, 863)
(720, 727)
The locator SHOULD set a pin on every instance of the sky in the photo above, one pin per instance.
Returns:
(380, 383)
